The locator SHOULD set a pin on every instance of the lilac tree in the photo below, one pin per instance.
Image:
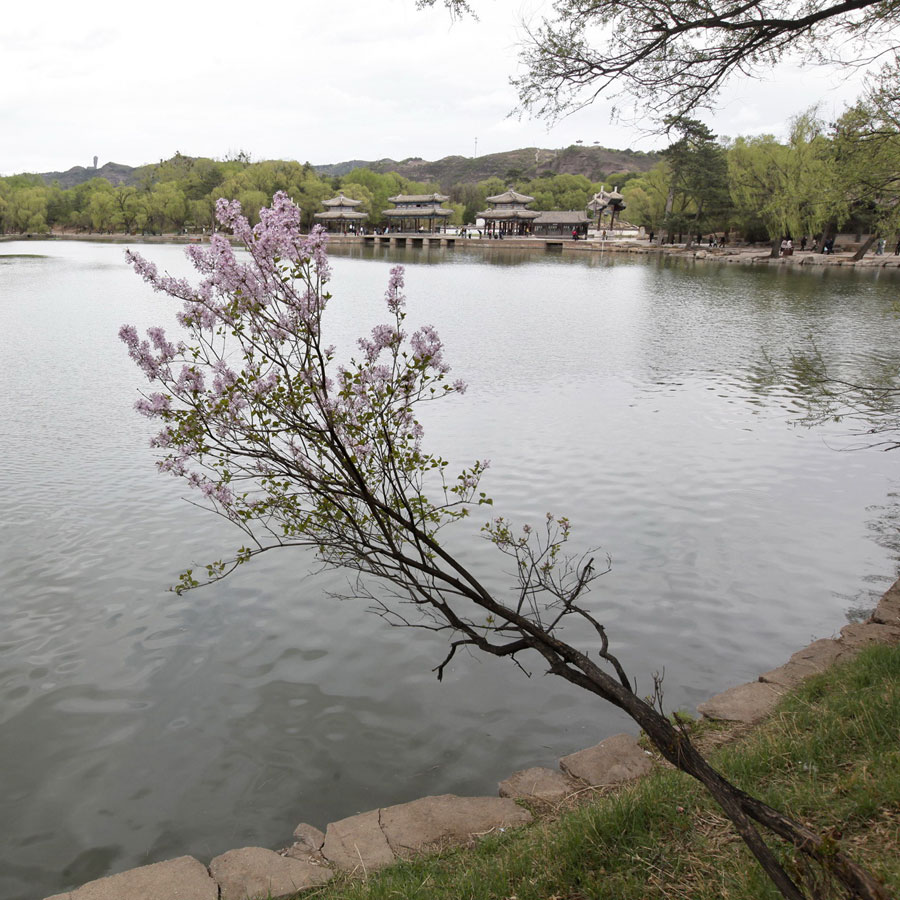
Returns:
(299, 449)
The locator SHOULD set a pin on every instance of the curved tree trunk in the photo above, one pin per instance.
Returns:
(740, 808)
(865, 247)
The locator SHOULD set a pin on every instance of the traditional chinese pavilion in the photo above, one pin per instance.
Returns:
(340, 212)
(607, 203)
(561, 222)
(508, 215)
(413, 212)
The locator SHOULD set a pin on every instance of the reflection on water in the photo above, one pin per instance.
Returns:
(138, 725)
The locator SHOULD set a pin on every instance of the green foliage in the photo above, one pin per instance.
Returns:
(25, 210)
(865, 146)
(697, 198)
(646, 196)
(559, 191)
(785, 189)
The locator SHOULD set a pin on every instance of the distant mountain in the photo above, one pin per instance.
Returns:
(114, 173)
(594, 162)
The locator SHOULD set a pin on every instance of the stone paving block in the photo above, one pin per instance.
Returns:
(357, 843)
(538, 783)
(867, 634)
(254, 873)
(817, 657)
(308, 841)
(184, 878)
(888, 610)
(435, 822)
(309, 835)
(612, 761)
(746, 703)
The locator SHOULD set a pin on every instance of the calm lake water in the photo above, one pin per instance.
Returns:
(138, 725)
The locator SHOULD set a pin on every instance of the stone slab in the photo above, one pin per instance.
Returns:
(888, 610)
(184, 878)
(867, 634)
(254, 873)
(310, 836)
(308, 841)
(431, 823)
(612, 761)
(357, 843)
(746, 703)
(541, 784)
(811, 660)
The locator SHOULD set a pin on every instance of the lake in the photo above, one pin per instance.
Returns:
(138, 725)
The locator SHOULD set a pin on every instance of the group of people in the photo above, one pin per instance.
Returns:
(882, 243)
(787, 246)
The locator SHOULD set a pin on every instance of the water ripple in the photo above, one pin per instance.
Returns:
(138, 725)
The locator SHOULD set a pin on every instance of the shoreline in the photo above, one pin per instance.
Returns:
(372, 840)
(750, 255)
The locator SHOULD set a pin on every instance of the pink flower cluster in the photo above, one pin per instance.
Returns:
(252, 402)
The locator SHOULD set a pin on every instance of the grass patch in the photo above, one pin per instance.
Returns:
(830, 757)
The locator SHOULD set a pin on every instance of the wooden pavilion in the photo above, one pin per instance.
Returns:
(508, 215)
(341, 212)
(413, 211)
(561, 222)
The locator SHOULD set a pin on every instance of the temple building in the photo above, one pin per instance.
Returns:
(507, 215)
(417, 212)
(341, 213)
(561, 222)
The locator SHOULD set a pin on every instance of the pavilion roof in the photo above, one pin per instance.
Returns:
(561, 217)
(508, 213)
(418, 212)
(348, 214)
(510, 196)
(341, 200)
(419, 198)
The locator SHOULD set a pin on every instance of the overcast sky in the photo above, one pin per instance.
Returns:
(320, 82)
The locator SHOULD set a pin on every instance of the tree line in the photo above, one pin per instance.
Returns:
(180, 195)
(822, 179)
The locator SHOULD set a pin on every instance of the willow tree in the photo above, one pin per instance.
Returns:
(866, 150)
(646, 195)
(299, 448)
(790, 188)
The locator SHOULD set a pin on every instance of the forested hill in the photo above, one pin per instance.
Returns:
(114, 173)
(593, 162)
(529, 162)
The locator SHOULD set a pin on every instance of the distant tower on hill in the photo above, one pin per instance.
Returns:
(95, 162)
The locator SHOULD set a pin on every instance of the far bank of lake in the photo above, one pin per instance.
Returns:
(742, 254)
